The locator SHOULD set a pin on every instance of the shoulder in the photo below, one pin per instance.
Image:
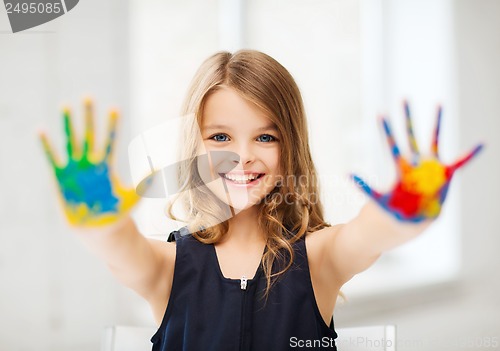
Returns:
(319, 245)
(168, 253)
(178, 244)
(165, 253)
(318, 241)
(187, 246)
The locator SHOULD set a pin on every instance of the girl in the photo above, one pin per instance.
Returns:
(257, 267)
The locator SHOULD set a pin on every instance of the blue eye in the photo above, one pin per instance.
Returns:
(266, 138)
(219, 137)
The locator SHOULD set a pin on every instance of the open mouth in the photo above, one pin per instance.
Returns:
(242, 178)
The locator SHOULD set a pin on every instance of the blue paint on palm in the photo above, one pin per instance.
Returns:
(84, 183)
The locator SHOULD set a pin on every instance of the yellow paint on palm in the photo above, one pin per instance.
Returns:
(82, 215)
(426, 179)
(432, 208)
(128, 196)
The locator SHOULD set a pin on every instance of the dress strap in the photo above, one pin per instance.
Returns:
(177, 234)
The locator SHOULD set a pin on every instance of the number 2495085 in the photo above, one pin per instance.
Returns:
(33, 7)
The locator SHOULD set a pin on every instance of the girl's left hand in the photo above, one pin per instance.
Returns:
(422, 183)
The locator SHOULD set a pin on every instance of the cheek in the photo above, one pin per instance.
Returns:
(273, 164)
(274, 161)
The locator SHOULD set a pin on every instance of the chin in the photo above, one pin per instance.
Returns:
(242, 207)
(239, 206)
(238, 199)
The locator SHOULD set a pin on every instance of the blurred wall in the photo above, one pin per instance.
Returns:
(54, 295)
(464, 314)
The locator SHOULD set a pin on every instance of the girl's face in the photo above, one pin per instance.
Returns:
(243, 149)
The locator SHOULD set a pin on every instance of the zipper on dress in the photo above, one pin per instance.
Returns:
(243, 286)
(243, 283)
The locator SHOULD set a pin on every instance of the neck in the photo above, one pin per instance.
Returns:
(244, 228)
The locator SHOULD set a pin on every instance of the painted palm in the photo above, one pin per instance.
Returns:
(91, 194)
(422, 182)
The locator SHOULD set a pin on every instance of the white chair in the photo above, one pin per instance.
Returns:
(373, 338)
(127, 338)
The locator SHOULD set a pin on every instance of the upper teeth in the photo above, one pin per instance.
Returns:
(243, 177)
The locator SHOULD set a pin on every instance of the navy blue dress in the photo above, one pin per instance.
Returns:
(209, 312)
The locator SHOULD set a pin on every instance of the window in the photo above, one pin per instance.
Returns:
(352, 60)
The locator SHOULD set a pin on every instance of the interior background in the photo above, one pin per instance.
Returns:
(351, 59)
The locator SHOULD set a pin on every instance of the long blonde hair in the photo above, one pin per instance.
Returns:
(293, 208)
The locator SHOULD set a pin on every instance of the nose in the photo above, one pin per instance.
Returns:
(243, 154)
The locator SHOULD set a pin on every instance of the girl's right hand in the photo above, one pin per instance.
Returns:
(91, 193)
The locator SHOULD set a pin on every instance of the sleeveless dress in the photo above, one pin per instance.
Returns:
(209, 312)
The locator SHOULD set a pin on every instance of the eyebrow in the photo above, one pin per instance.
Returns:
(222, 126)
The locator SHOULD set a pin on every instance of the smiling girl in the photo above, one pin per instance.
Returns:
(256, 266)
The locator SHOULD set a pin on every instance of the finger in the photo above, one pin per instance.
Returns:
(409, 130)
(70, 134)
(435, 139)
(47, 148)
(88, 145)
(113, 118)
(465, 159)
(365, 187)
(390, 139)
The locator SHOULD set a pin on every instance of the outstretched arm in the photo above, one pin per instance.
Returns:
(97, 206)
(399, 215)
